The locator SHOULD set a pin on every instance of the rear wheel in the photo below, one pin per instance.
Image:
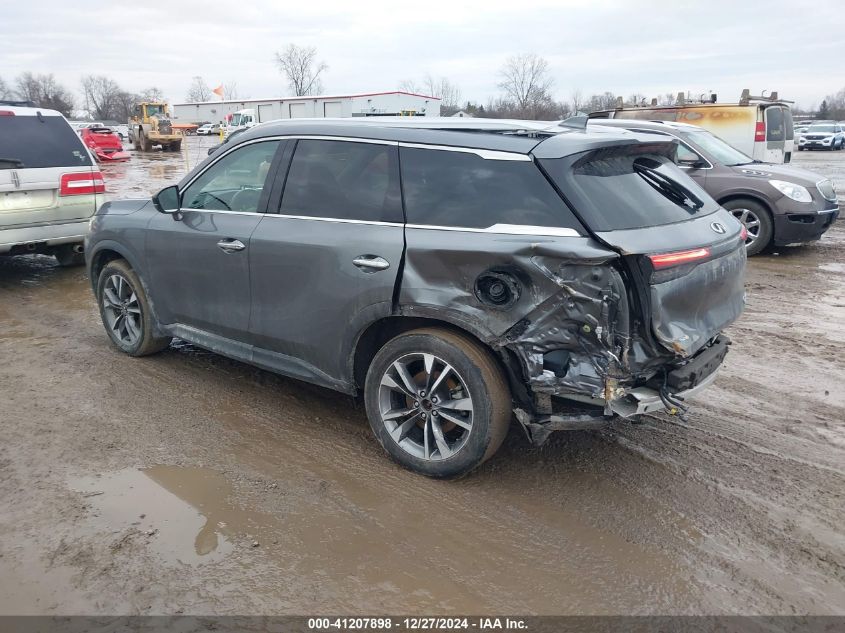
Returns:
(69, 255)
(437, 402)
(125, 310)
(757, 221)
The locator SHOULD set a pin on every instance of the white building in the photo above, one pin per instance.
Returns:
(371, 104)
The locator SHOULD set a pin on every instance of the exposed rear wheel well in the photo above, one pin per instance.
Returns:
(381, 331)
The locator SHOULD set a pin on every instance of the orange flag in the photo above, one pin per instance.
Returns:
(218, 91)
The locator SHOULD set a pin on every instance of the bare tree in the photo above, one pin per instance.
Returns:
(230, 90)
(409, 85)
(636, 99)
(124, 104)
(448, 93)
(667, 99)
(604, 101)
(199, 91)
(526, 82)
(45, 91)
(152, 94)
(101, 96)
(5, 91)
(300, 67)
(577, 100)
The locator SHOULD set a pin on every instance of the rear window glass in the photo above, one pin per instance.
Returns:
(629, 187)
(29, 142)
(462, 189)
(775, 129)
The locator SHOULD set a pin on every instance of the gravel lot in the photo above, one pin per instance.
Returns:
(189, 483)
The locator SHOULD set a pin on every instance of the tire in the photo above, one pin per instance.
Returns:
(67, 257)
(138, 326)
(419, 439)
(138, 141)
(745, 210)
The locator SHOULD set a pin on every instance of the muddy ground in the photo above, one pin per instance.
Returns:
(189, 483)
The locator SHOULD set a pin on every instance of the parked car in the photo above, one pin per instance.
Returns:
(104, 144)
(827, 136)
(778, 204)
(205, 129)
(49, 185)
(560, 279)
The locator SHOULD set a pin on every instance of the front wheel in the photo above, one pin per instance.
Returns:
(757, 221)
(125, 310)
(437, 402)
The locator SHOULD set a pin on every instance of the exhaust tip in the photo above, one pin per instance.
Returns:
(78, 248)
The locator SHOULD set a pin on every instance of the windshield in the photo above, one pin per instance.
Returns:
(27, 141)
(720, 151)
(629, 187)
(236, 119)
(155, 110)
(820, 128)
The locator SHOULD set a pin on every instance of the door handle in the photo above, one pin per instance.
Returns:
(231, 246)
(371, 263)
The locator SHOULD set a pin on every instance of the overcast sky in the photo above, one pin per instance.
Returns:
(650, 47)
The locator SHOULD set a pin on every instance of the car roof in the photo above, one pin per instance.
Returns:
(508, 135)
(19, 111)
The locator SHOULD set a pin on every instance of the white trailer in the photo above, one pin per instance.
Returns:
(396, 103)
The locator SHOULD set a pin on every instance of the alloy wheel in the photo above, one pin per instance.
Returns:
(425, 406)
(751, 222)
(122, 310)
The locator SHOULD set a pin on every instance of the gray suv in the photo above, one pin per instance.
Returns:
(779, 205)
(457, 278)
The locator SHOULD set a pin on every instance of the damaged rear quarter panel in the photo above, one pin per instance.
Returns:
(569, 298)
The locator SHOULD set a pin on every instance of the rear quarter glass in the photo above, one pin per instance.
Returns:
(39, 142)
(609, 193)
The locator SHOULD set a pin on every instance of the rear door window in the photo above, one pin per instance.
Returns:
(629, 187)
(37, 142)
(343, 180)
(462, 189)
(775, 126)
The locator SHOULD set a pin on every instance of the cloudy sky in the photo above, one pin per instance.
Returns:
(646, 46)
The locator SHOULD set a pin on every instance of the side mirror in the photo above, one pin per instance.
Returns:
(691, 162)
(167, 200)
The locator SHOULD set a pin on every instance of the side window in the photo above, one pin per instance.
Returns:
(233, 183)
(345, 180)
(461, 189)
(685, 155)
(774, 124)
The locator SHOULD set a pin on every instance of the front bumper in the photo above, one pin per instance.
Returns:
(799, 226)
(45, 235)
(815, 143)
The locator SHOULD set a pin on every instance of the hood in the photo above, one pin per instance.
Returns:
(769, 171)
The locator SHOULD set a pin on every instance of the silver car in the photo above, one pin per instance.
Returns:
(49, 185)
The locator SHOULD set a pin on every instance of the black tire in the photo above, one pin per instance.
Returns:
(478, 378)
(68, 257)
(766, 224)
(146, 342)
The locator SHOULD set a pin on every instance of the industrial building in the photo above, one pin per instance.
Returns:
(395, 103)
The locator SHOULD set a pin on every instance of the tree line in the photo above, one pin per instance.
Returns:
(102, 97)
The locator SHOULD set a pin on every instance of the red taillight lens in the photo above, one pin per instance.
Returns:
(664, 260)
(743, 234)
(82, 184)
(760, 132)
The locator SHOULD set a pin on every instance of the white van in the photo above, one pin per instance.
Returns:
(241, 120)
(760, 127)
(49, 185)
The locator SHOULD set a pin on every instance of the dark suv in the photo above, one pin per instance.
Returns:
(458, 278)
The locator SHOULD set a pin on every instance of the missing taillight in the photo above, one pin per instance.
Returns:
(82, 184)
(665, 260)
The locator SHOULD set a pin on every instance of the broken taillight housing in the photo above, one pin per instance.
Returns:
(82, 184)
(665, 260)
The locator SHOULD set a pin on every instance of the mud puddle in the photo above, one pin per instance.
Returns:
(188, 514)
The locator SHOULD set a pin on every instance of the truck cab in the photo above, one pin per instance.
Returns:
(241, 120)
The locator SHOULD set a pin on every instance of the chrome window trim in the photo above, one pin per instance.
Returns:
(338, 220)
(486, 154)
(505, 229)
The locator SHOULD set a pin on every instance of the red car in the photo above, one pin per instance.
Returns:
(103, 143)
